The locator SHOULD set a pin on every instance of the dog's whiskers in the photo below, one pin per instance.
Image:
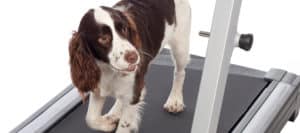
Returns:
(145, 53)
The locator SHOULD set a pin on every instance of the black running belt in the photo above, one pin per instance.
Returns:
(239, 94)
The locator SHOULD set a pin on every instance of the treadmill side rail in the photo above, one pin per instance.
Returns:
(297, 84)
(274, 76)
(288, 111)
(241, 125)
(52, 114)
(270, 116)
(43, 109)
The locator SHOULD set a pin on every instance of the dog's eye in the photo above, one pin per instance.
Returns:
(122, 28)
(104, 39)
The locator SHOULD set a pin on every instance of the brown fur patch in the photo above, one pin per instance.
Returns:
(139, 79)
(138, 87)
(136, 38)
(85, 73)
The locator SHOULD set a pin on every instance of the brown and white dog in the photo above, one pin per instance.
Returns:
(112, 49)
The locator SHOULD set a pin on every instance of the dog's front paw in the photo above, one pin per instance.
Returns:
(106, 124)
(112, 118)
(174, 104)
(126, 127)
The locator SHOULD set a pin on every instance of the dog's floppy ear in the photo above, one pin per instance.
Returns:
(85, 73)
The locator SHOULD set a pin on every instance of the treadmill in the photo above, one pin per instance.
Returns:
(230, 99)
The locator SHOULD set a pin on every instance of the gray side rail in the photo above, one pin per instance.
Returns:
(42, 110)
(269, 118)
(275, 76)
(50, 113)
(289, 111)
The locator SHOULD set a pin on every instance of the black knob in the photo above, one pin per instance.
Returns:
(246, 41)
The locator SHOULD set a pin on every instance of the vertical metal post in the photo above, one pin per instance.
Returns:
(219, 51)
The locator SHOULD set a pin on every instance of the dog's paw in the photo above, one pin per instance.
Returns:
(106, 124)
(109, 127)
(111, 118)
(174, 104)
(126, 127)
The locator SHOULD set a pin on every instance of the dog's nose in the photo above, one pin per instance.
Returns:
(131, 57)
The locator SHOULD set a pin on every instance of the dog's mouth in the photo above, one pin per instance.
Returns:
(129, 69)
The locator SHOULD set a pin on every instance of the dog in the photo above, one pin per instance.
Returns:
(112, 50)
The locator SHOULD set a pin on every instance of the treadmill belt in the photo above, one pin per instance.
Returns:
(240, 93)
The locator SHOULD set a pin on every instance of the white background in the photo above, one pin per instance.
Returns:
(34, 37)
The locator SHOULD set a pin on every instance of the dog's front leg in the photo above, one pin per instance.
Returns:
(93, 117)
(131, 116)
(116, 111)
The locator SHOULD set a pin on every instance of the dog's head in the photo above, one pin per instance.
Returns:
(104, 35)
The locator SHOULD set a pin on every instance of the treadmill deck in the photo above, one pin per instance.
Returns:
(241, 91)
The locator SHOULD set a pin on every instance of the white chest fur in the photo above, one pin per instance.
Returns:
(116, 84)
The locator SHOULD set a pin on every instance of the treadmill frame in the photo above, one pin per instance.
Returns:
(223, 39)
(69, 98)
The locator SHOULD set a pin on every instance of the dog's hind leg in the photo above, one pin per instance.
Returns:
(180, 52)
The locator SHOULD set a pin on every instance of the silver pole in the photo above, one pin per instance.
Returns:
(219, 51)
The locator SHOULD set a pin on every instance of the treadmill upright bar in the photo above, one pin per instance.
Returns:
(219, 51)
